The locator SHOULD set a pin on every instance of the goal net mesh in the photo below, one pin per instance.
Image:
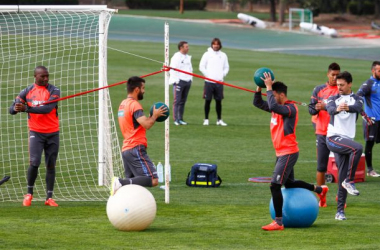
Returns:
(67, 43)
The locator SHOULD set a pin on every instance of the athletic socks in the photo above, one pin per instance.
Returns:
(278, 220)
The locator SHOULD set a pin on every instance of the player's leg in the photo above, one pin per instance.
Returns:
(36, 146)
(185, 86)
(371, 135)
(142, 168)
(51, 154)
(207, 95)
(219, 95)
(322, 162)
(322, 159)
(342, 162)
(176, 89)
(282, 171)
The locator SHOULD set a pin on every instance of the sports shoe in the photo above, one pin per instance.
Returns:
(221, 123)
(50, 202)
(205, 122)
(115, 185)
(373, 173)
(273, 226)
(182, 122)
(336, 199)
(27, 200)
(340, 215)
(322, 196)
(176, 123)
(350, 187)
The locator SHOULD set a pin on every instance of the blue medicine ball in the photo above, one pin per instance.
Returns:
(300, 207)
(158, 105)
(260, 73)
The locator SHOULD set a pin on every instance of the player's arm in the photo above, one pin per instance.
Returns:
(285, 110)
(357, 107)
(19, 104)
(46, 109)
(313, 110)
(148, 122)
(259, 102)
(174, 75)
(202, 64)
(226, 67)
(331, 107)
(365, 92)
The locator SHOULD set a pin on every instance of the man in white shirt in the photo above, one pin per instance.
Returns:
(181, 82)
(343, 110)
(214, 65)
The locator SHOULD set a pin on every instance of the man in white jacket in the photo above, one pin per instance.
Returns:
(214, 65)
(181, 82)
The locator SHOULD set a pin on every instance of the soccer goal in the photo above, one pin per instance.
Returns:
(71, 41)
(297, 16)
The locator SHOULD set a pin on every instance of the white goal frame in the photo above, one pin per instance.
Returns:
(104, 119)
(304, 13)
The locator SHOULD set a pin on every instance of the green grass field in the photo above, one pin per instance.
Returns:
(228, 217)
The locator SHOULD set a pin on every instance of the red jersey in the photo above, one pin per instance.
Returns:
(41, 118)
(283, 123)
(134, 134)
(320, 94)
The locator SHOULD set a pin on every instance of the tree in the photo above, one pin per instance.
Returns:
(273, 10)
(283, 4)
(181, 6)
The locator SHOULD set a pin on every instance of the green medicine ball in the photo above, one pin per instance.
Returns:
(158, 105)
(260, 73)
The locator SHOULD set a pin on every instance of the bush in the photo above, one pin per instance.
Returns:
(368, 8)
(39, 2)
(166, 5)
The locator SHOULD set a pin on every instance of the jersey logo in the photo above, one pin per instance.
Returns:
(37, 103)
(120, 113)
(278, 177)
(273, 121)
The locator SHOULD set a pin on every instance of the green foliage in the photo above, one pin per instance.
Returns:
(366, 8)
(167, 4)
(39, 2)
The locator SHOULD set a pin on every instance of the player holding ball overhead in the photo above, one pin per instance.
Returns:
(138, 168)
(283, 130)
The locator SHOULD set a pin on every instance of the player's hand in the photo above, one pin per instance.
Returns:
(267, 80)
(320, 106)
(19, 107)
(159, 112)
(342, 107)
(369, 120)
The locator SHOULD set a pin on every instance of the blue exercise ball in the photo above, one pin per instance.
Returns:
(300, 208)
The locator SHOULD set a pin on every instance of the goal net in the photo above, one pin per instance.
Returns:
(71, 41)
(297, 16)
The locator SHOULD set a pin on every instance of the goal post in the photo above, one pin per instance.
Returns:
(297, 15)
(71, 41)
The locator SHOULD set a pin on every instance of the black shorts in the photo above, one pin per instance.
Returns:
(49, 143)
(137, 163)
(283, 171)
(213, 90)
(372, 133)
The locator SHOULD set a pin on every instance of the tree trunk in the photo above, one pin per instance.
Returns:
(181, 6)
(283, 4)
(377, 8)
(273, 10)
(250, 6)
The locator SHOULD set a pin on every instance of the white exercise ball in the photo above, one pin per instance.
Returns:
(132, 208)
